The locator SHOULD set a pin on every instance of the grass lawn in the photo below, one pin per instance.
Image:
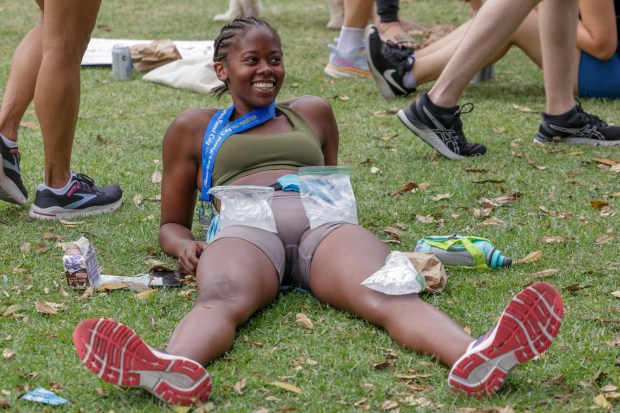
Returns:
(336, 364)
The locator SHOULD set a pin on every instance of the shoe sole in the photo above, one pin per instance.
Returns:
(527, 327)
(382, 83)
(338, 72)
(61, 213)
(9, 192)
(428, 136)
(117, 355)
(575, 141)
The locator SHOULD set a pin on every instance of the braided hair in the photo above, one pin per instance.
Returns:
(227, 39)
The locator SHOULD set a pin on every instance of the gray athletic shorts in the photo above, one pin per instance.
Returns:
(292, 248)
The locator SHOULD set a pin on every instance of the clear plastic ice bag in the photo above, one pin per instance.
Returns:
(396, 277)
(248, 205)
(327, 195)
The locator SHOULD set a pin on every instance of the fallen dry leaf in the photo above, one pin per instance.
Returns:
(145, 294)
(156, 177)
(520, 108)
(286, 386)
(604, 239)
(426, 219)
(239, 386)
(111, 286)
(616, 294)
(440, 197)
(303, 320)
(8, 354)
(395, 232)
(545, 273)
(389, 405)
(601, 401)
(137, 200)
(492, 221)
(408, 187)
(555, 239)
(45, 307)
(12, 310)
(598, 204)
(531, 257)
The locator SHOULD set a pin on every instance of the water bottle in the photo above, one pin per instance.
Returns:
(464, 251)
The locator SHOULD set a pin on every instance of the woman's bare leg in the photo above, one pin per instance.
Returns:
(235, 279)
(67, 26)
(351, 254)
(19, 90)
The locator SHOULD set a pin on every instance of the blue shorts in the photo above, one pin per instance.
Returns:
(599, 78)
(291, 249)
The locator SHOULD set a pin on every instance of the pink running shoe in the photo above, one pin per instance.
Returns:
(116, 354)
(525, 329)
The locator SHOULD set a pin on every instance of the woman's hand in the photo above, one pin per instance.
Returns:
(189, 256)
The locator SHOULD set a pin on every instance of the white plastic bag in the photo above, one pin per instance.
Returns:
(396, 277)
(245, 205)
(327, 195)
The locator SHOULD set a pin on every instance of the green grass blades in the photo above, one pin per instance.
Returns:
(522, 198)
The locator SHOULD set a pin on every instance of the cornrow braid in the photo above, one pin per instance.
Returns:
(227, 39)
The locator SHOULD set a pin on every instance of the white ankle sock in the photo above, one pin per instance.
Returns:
(8, 142)
(60, 191)
(351, 38)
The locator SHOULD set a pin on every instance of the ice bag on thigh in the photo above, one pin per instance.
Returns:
(245, 205)
(397, 277)
(327, 195)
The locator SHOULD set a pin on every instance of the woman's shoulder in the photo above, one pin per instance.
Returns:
(308, 106)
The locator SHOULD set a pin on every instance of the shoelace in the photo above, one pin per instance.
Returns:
(589, 118)
(87, 183)
(398, 54)
(465, 109)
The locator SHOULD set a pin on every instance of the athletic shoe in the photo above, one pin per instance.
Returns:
(343, 65)
(115, 353)
(388, 64)
(11, 186)
(82, 199)
(442, 131)
(577, 127)
(525, 329)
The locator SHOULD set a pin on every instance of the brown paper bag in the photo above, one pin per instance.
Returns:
(147, 57)
(427, 264)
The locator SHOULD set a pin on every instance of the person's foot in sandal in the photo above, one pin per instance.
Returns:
(393, 32)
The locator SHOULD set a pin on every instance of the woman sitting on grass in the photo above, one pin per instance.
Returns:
(243, 267)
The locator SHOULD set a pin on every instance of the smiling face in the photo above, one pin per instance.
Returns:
(253, 69)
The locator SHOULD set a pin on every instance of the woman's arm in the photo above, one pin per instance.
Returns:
(319, 114)
(181, 158)
(597, 33)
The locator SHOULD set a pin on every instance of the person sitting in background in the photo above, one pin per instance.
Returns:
(435, 116)
(598, 32)
(242, 267)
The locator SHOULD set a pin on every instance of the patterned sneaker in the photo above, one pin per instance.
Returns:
(577, 127)
(443, 131)
(388, 64)
(116, 354)
(346, 65)
(82, 199)
(11, 186)
(525, 329)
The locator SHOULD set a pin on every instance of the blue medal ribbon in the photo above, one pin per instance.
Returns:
(219, 129)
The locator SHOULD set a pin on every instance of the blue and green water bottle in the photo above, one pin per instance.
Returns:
(464, 251)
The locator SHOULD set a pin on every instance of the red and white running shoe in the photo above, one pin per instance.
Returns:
(525, 329)
(116, 354)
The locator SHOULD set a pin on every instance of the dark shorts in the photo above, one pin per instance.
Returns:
(290, 250)
(599, 78)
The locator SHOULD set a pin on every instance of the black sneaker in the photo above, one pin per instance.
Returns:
(443, 131)
(388, 64)
(577, 127)
(11, 186)
(83, 198)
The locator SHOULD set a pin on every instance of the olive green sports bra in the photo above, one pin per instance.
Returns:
(244, 154)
